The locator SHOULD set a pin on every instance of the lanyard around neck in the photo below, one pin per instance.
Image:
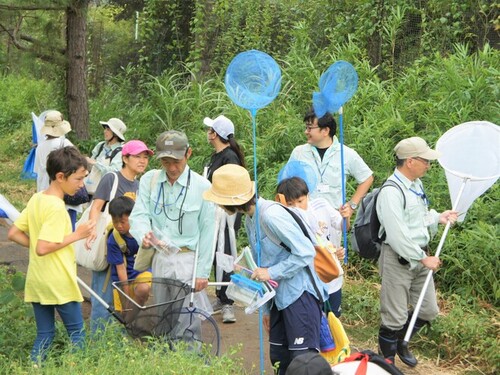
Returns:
(321, 172)
(420, 195)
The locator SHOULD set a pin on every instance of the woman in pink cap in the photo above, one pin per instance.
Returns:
(135, 159)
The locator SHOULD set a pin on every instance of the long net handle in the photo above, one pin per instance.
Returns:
(110, 309)
(193, 279)
(344, 220)
(253, 112)
(429, 275)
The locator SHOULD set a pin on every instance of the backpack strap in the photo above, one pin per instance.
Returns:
(374, 220)
(114, 152)
(302, 226)
(394, 184)
(123, 248)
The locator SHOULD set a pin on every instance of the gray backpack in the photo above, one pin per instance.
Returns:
(364, 233)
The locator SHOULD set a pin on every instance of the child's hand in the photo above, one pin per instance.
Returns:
(84, 230)
(90, 238)
(340, 253)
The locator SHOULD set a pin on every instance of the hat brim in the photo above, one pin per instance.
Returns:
(140, 151)
(208, 122)
(179, 155)
(115, 131)
(56, 131)
(209, 195)
(430, 154)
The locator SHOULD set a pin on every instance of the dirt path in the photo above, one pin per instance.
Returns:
(244, 332)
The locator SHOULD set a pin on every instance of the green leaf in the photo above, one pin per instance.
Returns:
(6, 297)
(18, 282)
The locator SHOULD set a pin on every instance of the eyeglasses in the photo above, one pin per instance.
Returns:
(106, 127)
(425, 161)
(309, 128)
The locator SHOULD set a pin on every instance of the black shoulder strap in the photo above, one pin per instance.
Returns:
(374, 220)
(299, 221)
(114, 152)
(394, 184)
(101, 147)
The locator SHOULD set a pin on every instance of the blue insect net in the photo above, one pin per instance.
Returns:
(336, 86)
(253, 79)
(296, 168)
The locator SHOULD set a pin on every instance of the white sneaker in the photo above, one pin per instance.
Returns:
(228, 314)
(217, 306)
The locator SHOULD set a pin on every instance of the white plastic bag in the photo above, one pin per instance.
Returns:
(95, 258)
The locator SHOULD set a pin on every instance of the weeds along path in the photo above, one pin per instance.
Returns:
(239, 340)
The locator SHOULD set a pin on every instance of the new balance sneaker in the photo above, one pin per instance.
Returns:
(228, 314)
(217, 306)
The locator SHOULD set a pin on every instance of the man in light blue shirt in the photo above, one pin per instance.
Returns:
(405, 259)
(170, 207)
(322, 153)
(293, 321)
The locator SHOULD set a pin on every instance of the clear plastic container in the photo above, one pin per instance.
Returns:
(243, 290)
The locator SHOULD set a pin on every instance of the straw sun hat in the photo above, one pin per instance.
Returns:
(231, 186)
(55, 125)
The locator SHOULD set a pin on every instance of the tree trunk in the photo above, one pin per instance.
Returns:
(76, 82)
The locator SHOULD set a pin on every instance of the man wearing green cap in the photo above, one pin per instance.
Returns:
(170, 208)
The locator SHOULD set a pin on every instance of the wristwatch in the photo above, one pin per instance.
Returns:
(353, 205)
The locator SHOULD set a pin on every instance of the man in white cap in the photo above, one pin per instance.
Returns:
(106, 155)
(405, 258)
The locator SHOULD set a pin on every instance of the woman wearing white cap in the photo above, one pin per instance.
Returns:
(106, 155)
(220, 134)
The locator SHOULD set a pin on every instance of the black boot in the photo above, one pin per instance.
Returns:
(403, 352)
(387, 343)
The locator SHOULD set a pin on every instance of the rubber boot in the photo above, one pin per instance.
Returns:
(404, 353)
(387, 343)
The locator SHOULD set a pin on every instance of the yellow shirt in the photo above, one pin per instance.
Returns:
(51, 279)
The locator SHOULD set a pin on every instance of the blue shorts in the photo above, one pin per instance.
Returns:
(297, 326)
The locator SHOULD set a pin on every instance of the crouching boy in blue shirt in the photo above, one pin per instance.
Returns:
(122, 250)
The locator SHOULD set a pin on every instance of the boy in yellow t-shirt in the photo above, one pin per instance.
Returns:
(44, 227)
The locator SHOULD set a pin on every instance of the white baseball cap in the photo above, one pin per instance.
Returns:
(222, 126)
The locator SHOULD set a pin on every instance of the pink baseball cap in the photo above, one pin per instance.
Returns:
(135, 147)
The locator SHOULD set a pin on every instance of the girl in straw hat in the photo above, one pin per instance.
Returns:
(293, 318)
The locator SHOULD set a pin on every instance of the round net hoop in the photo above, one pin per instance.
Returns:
(337, 85)
(253, 79)
(471, 150)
